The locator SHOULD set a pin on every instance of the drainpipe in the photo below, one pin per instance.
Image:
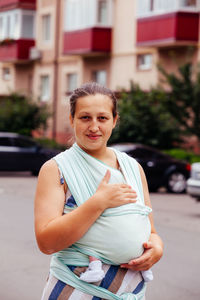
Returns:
(55, 84)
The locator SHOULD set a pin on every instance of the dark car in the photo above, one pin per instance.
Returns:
(161, 170)
(20, 153)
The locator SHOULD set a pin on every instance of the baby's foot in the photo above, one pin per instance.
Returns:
(94, 272)
(147, 275)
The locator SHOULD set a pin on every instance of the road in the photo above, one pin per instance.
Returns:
(24, 269)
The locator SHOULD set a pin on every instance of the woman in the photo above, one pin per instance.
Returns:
(80, 208)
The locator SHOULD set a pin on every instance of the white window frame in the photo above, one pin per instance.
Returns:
(6, 75)
(45, 87)
(82, 14)
(144, 8)
(46, 22)
(72, 81)
(15, 18)
(100, 76)
(145, 61)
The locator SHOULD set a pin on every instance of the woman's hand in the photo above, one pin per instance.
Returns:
(113, 195)
(153, 251)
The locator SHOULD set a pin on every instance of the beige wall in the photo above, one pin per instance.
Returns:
(66, 66)
(124, 50)
(47, 48)
(24, 78)
(92, 64)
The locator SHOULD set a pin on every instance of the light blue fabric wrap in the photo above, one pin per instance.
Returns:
(118, 234)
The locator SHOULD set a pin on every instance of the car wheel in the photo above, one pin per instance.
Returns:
(176, 183)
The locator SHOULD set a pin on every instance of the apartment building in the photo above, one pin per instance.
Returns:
(49, 47)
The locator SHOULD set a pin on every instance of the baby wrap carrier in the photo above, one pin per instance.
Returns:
(118, 234)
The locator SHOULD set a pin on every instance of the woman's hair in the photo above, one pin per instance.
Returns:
(91, 88)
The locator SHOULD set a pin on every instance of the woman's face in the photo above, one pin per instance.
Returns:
(93, 122)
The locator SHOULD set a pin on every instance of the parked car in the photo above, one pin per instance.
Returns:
(193, 183)
(161, 170)
(20, 153)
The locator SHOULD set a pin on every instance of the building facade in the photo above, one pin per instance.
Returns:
(49, 47)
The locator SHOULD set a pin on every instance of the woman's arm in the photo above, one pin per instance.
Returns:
(153, 249)
(55, 231)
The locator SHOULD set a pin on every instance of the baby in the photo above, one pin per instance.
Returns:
(95, 273)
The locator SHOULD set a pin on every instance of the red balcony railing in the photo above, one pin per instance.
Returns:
(11, 4)
(88, 40)
(168, 29)
(15, 50)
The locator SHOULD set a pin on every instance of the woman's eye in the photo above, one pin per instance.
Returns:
(102, 118)
(85, 118)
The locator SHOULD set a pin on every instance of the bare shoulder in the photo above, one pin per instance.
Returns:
(48, 166)
(49, 171)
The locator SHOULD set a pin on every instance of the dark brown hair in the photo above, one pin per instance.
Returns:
(91, 88)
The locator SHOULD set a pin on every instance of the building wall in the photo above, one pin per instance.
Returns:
(24, 79)
(121, 64)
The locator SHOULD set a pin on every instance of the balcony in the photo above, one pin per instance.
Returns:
(15, 50)
(87, 41)
(168, 29)
(12, 4)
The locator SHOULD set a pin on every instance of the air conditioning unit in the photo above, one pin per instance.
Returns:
(35, 53)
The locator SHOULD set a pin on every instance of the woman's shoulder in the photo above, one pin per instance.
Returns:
(49, 169)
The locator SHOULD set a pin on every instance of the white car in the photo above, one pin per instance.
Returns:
(193, 183)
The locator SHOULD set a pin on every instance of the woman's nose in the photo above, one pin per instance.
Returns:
(94, 126)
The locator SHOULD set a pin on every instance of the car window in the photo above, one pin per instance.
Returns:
(23, 143)
(142, 153)
(160, 156)
(5, 141)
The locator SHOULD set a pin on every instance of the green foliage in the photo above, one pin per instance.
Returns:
(22, 115)
(183, 101)
(143, 119)
(50, 143)
(183, 155)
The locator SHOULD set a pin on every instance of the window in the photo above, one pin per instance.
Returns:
(100, 77)
(8, 26)
(140, 153)
(46, 28)
(5, 141)
(163, 5)
(17, 23)
(27, 26)
(23, 143)
(144, 61)
(6, 75)
(186, 3)
(102, 12)
(45, 88)
(71, 82)
(80, 14)
(143, 7)
(1, 27)
(146, 7)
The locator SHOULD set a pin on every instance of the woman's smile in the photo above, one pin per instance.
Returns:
(93, 122)
(93, 136)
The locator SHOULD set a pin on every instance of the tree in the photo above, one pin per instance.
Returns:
(143, 119)
(183, 99)
(21, 114)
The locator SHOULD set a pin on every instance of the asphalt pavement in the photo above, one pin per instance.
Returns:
(24, 268)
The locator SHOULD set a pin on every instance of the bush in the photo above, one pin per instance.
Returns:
(143, 119)
(183, 154)
(21, 114)
(50, 143)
